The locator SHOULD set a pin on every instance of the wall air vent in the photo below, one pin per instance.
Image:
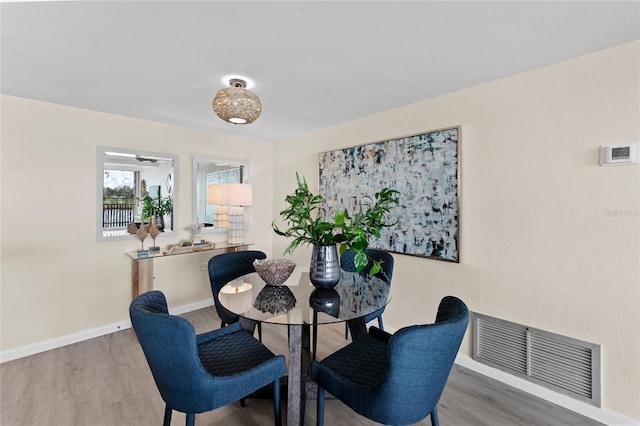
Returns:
(563, 364)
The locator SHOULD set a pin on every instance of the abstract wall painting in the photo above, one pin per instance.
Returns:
(424, 168)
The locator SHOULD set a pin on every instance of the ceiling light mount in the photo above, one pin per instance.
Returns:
(236, 82)
(235, 104)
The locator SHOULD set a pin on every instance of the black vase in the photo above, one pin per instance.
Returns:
(327, 301)
(324, 270)
(160, 223)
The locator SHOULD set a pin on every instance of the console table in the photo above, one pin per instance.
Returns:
(142, 266)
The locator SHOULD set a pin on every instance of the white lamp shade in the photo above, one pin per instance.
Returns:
(240, 194)
(231, 194)
(214, 195)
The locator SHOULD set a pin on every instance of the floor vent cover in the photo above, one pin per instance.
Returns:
(560, 363)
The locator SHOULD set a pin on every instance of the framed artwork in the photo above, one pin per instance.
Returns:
(423, 168)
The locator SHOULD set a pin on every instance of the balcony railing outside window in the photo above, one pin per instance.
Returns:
(117, 215)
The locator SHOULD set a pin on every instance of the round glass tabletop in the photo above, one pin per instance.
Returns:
(295, 303)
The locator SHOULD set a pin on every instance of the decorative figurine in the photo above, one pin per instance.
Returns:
(195, 230)
(153, 232)
(132, 228)
(142, 235)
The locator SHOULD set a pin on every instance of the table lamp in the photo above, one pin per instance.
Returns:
(216, 196)
(237, 196)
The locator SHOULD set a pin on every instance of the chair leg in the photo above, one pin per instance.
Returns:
(242, 402)
(276, 402)
(380, 326)
(315, 334)
(260, 331)
(320, 409)
(191, 419)
(346, 331)
(167, 416)
(434, 417)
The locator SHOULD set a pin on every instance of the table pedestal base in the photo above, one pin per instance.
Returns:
(299, 357)
(299, 386)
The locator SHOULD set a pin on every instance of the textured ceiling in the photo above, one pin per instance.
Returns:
(315, 64)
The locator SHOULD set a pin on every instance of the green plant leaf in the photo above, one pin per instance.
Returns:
(360, 261)
(377, 266)
(360, 243)
(340, 217)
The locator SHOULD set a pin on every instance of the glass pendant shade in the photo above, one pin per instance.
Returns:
(236, 104)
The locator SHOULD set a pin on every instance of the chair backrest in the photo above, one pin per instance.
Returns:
(227, 267)
(420, 360)
(346, 263)
(169, 343)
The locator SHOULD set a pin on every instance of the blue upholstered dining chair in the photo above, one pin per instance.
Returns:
(346, 263)
(225, 268)
(198, 373)
(395, 379)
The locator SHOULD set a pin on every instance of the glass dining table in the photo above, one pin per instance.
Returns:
(300, 306)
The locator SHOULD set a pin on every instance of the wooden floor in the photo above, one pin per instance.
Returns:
(106, 381)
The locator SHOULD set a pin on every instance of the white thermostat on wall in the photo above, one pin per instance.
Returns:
(617, 155)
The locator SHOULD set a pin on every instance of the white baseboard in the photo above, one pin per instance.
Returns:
(607, 417)
(69, 339)
(191, 307)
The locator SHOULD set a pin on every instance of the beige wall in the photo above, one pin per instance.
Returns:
(56, 279)
(548, 237)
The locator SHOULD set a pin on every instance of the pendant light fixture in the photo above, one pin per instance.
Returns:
(235, 104)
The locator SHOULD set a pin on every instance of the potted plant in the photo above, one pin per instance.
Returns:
(157, 207)
(306, 225)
